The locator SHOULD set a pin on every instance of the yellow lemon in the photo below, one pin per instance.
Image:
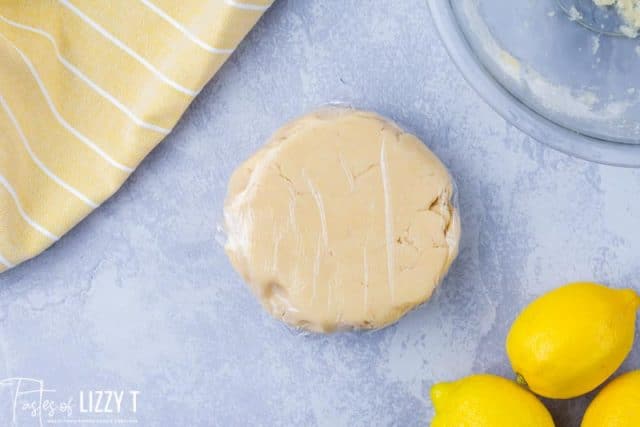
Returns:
(617, 405)
(569, 341)
(487, 401)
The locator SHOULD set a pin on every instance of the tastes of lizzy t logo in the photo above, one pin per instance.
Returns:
(26, 402)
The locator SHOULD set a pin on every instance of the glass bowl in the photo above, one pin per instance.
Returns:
(568, 87)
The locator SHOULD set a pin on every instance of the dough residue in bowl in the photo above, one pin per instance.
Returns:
(630, 12)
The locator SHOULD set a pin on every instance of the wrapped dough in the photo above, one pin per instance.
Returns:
(342, 221)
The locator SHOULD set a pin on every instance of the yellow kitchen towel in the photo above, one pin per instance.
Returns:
(87, 89)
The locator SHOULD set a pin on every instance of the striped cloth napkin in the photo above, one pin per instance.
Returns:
(87, 89)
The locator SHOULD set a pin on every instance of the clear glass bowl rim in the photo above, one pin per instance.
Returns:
(513, 110)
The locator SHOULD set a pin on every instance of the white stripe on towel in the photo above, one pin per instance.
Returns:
(119, 43)
(38, 162)
(92, 145)
(23, 214)
(184, 30)
(247, 6)
(5, 262)
(73, 69)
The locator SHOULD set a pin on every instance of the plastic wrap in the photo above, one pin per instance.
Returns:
(341, 221)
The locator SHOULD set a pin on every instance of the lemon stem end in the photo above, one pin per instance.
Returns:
(633, 297)
(521, 381)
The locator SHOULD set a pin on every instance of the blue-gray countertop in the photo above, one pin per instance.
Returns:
(140, 296)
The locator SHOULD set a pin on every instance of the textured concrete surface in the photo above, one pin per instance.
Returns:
(140, 295)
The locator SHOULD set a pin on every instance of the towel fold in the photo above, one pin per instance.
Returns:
(87, 89)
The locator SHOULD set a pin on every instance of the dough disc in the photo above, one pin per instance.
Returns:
(342, 221)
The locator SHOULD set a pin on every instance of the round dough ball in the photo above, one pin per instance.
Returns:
(342, 221)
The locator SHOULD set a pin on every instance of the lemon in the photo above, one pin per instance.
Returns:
(569, 341)
(617, 405)
(487, 401)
